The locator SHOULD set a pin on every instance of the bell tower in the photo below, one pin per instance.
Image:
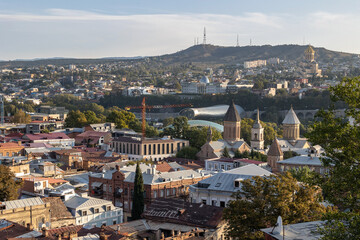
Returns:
(232, 124)
(257, 134)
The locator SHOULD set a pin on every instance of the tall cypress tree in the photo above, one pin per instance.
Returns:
(138, 198)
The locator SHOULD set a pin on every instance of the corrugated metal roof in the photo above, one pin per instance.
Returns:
(23, 203)
(80, 202)
(224, 181)
(302, 160)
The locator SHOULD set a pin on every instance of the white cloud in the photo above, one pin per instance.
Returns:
(74, 33)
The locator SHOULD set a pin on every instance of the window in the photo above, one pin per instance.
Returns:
(222, 166)
(222, 204)
(174, 191)
(213, 202)
(114, 222)
(155, 194)
(126, 192)
(237, 184)
(108, 208)
(96, 210)
(167, 192)
(218, 184)
(162, 193)
(84, 213)
(203, 201)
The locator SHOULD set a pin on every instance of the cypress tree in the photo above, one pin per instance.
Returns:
(226, 153)
(138, 198)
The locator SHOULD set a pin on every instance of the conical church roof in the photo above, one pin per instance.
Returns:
(232, 115)
(275, 149)
(291, 117)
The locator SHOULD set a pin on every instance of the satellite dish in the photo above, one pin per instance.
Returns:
(120, 190)
(120, 205)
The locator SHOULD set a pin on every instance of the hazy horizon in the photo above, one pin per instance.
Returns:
(92, 29)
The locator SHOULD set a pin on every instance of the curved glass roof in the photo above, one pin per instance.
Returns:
(203, 123)
(213, 111)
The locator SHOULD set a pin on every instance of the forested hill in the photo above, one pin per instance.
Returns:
(217, 54)
(202, 54)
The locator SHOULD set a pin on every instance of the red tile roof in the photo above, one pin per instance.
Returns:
(41, 136)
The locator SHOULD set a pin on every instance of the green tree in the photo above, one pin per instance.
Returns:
(290, 154)
(8, 186)
(21, 117)
(91, 117)
(168, 121)
(187, 152)
(225, 153)
(138, 198)
(121, 118)
(75, 119)
(305, 175)
(340, 139)
(260, 201)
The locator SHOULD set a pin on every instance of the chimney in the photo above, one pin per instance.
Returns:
(118, 168)
(29, 227)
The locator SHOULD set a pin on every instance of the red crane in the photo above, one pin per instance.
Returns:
(143, 108)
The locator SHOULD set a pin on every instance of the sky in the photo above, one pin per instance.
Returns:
(128, 28)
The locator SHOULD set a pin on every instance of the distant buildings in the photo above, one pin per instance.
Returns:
(204, 86)
(254, 64)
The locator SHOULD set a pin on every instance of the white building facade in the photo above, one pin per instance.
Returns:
(218, 189)
(93, 212)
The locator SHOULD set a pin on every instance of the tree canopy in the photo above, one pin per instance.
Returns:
(8, 186)
(340, 138)
(260, 201)
(21, 117)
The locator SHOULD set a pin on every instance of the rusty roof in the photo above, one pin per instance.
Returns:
(58, 208)
(186, 213)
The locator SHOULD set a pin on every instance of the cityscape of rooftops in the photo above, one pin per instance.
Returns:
(165, 120)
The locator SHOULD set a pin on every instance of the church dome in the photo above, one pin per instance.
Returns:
(309, 50)
(291, 118)
(204, 79)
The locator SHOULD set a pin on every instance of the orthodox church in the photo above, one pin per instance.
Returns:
(291, 140)
(309, 67)
(231, 139)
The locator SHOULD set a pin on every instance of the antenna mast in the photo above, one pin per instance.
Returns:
(237, 41)
(204, 41)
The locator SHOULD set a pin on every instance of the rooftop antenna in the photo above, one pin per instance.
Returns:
(204, 40)
(194, 41)
(250, 41)
(303, 40)
(237, 41)
(197, 41)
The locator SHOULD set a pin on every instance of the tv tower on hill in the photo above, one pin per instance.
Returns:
(204, 40)
(237, 41)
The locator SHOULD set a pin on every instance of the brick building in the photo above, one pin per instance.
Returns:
(117, 185)
(11, 149)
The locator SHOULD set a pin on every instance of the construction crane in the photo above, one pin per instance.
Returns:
(143, 108)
